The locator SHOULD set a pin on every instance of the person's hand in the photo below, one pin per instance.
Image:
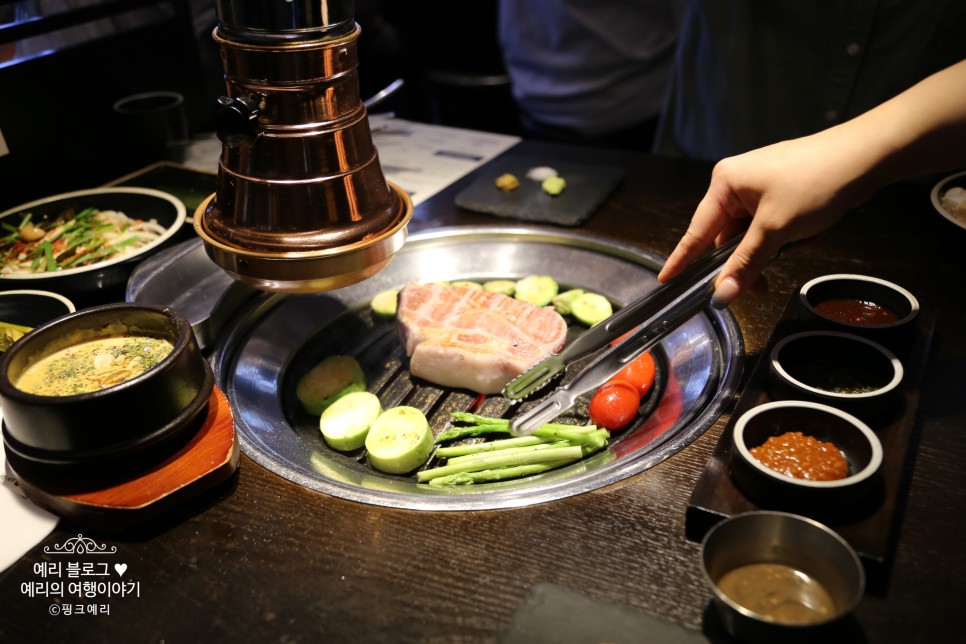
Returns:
(780, 194)
(795, 189)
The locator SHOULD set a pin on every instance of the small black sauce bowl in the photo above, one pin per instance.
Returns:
(122, 424)
(806, 365)
(857, 442)
(32, 308)
(791, 540)
(865, 288)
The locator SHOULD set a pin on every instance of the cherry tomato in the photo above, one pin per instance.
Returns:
(614, 405)
(640, 373)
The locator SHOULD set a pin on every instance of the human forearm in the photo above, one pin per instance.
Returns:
(919, 132)
(795, 189)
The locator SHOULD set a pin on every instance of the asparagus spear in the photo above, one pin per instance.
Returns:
(498, 474)
(473, 430)
(503, 458)
(475, 448)
(550, 446)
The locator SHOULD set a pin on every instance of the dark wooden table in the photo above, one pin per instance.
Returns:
(262, 559)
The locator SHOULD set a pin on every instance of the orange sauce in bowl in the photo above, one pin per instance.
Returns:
(803, 457)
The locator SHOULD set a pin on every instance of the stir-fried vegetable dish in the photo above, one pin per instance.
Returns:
(68, 240)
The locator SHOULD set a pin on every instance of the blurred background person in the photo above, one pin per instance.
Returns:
(589, 71)
(748, 74)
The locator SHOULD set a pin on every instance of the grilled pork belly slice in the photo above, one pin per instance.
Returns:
(463, 337)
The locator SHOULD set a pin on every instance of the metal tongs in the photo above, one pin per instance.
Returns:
(651, 317)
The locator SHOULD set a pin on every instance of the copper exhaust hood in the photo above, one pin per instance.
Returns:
(301, 203)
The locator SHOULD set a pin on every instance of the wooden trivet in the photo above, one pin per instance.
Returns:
(208, 458)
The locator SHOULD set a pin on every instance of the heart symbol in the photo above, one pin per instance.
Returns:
(121, 569)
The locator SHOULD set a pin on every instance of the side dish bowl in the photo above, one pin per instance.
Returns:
(31, 308)
(946, 203)
(23, 310)
(110, 272)
(860, 304)
(122, 422)
(826, 580)
(844, 370)
(855, 442)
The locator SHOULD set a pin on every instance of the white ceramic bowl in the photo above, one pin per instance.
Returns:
(137, 203)
(952, 181)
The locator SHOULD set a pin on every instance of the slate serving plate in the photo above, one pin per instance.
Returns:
(587, 187)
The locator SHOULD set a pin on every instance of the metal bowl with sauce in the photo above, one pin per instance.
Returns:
(136, 412)
(779, 577)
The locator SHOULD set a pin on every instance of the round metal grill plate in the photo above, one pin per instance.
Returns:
(278, 337)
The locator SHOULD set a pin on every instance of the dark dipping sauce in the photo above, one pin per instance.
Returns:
(856, 311)
(779, 593)
(836, 365)
(803, 457)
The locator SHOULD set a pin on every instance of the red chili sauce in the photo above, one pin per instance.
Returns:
(803, 457)
(856, 311)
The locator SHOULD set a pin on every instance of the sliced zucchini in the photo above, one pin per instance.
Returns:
(328, 381)
(506, 287)
(384, 303)
(346, 422)
(538, 290)
(591, 308)
(467, 283)
(563, 302)
(399, 441)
